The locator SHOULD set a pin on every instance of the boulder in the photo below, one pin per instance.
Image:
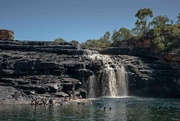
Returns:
(82, 92)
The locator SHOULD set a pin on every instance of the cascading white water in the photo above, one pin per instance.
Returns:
(109, 82)
(121, 81)
(91, 86)
(112, 81)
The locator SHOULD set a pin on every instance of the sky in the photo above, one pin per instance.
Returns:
(46, 20)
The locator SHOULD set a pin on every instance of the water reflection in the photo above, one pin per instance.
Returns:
(123, 109)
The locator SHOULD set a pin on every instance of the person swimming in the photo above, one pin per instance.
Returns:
(36, 101)
(104, 108)
(33, 102)
(43, 101)
(51, 102)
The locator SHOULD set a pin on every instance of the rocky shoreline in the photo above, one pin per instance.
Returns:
(10, 95)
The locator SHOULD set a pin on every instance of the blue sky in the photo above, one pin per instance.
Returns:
(80, 20)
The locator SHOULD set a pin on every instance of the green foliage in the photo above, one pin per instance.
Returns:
(172, 37)
(178, 17)
(74, 42)
(103, 42)
(122, 34)
(159, 39)
(137, 32)
(59, 40)
(167, 37)
(107, 36)
(116, 38)
(143, 15)
(159, 21)
(89, 44)
(172, 22)
(125, 33)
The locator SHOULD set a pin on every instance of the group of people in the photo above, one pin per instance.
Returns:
(66, 99)
(43, 101)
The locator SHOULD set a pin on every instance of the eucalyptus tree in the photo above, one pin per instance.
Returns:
(125, 33)
(105, 40)
(143, 16)
(178, 21)
(136, 32)
(116, 38)
(122, 34)
(159, 21)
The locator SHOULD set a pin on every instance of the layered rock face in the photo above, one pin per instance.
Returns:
(44, 68)
(49, 69)
(148, 77)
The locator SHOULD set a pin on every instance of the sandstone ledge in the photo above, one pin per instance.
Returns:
(174, 57)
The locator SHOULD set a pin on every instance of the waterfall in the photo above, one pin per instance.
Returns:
(113, 78)
(91, 86)
(121, 81)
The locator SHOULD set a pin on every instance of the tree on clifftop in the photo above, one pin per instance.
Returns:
(159, 21)
(178, 21)
(74, 42)
(125, 33)
(136, 32)
(102, 42)
(116, 38)
(143, 15)
(105, 40)
(122, 34)
(60, 40)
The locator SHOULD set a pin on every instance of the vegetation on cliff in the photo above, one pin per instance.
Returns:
(162, 33)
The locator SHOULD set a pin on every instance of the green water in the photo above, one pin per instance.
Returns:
(123, 109)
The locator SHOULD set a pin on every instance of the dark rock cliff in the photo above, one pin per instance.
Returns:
(149, 74)
(44, 68)
(49, 69)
